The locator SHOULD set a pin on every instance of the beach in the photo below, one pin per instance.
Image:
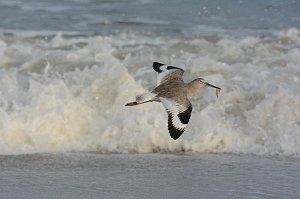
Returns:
(70, 175)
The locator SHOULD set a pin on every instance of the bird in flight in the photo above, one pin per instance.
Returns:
(174, 94)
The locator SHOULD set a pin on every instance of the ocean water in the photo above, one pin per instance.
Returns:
(87, 175)
(68, 67)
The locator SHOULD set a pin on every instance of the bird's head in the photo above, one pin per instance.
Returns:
(200, 82)
(198, 85)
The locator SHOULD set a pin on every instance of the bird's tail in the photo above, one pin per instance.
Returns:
(144, 98)
(131, 104)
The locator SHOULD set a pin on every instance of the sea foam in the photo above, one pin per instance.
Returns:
(61, 92)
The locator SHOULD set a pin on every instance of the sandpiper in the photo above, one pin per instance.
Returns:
(174, 94)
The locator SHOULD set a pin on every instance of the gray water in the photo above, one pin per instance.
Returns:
(68, 67)
(192, 17)
(147, 176)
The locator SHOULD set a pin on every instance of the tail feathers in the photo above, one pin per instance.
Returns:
(131, 104)
(146, 97)
(140, 99)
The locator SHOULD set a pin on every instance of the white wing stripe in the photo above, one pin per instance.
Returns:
(162, 75)
(164, 72)
(177, 123)
(174, 109)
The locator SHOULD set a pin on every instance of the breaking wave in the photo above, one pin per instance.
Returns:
(66, 92)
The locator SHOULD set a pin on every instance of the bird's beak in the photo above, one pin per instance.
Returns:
(207, 84)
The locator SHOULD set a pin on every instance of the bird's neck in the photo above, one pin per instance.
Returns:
(191, 89)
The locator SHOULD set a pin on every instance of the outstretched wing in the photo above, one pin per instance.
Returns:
(167, 72)
(178, 115)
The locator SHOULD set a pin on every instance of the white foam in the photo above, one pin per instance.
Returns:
(68, 94)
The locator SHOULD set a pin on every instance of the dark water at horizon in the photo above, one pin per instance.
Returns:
(177, 17)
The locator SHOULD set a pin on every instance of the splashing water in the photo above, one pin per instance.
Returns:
(66, 92)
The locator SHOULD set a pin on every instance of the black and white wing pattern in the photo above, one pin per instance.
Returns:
(167, 72)
(179, 114)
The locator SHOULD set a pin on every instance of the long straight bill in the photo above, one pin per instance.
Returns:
(207, 84)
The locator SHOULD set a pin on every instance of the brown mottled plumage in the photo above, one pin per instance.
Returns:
(173, 93)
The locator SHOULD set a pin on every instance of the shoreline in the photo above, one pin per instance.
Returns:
(90, 175)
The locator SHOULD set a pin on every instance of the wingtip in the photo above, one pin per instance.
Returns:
(174, 132)
(175, 135)
(156, 66)
(174, 138)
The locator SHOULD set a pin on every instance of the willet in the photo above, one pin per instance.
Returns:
(174, 94)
